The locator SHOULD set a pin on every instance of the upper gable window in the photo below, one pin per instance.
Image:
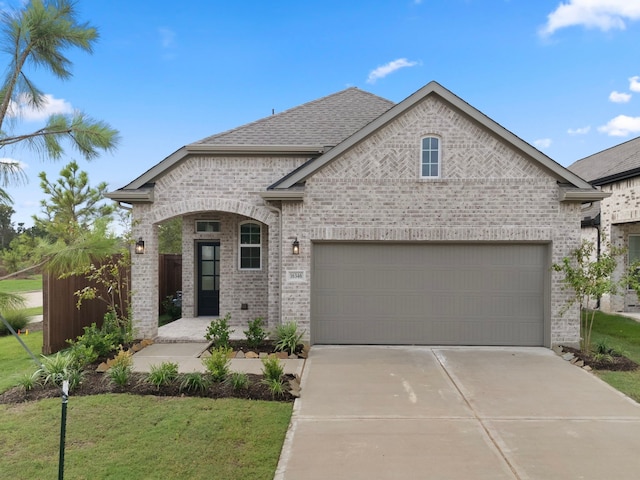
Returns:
(430, 160)
(250, 246)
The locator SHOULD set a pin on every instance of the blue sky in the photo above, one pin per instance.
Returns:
(565, 77)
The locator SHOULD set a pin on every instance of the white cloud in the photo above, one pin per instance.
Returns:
(167, 37)
(22, 165)
(543, 143)
(634, 84)
(602, 14)
(390, 67)
(50, 106)
(579, 131)
(619, 97)
(621, 126)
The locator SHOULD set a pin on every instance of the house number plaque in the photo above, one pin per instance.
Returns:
(296, 275)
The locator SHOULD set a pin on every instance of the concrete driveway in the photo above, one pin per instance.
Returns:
(457, 413)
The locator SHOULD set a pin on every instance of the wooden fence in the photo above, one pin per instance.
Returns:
(62, 319)
(170, 277)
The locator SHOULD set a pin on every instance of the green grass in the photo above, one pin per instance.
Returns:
(128, 436)
(30, 284)
(30, 312)
(14, 361)
(623, 335)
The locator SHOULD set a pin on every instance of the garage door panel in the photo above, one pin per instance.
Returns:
(471, 294)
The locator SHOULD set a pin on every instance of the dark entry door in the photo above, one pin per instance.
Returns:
(208, 278)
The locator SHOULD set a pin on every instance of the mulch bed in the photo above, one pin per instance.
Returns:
(96, 383)
(617, 363)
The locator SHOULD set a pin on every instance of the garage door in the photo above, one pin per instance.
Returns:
(428, 294)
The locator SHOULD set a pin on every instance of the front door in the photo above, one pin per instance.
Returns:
(208, 278)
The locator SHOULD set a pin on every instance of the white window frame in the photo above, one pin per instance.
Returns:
(438, 152)
(249, 245)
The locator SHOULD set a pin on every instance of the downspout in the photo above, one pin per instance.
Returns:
(279, 212)
(595, 223)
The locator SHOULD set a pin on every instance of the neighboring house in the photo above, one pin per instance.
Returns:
(367, 222)
(615, 219)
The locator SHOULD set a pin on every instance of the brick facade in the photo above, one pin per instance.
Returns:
(488, 192)
(619, 219)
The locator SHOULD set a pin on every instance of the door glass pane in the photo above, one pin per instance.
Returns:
(207, 283)
(207, 268)
(208, 252)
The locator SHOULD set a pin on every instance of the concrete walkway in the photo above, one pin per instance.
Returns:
(186, 355)
(457, 413)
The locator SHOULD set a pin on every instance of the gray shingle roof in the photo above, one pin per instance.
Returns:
(323, 122)
(611, 162)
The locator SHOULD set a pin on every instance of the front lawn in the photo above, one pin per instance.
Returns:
(31, 284)
(623, 335)
(15, 361)
(129, 436)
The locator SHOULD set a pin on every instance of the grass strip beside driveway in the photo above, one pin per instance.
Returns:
(623, 335)
(128, 436)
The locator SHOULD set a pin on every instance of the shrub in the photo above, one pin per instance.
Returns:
(172, 307)
(120, 374)
(219, 332)
(120, 329)
(102, 341)
(238, 380)
(18, 320)
(218, 363)
(276, 387)
(287, 337)
(57, 368)
(256, 332)
(27, 382)
(194, 381)
(163, 374)
(272, 369)
(82, 355)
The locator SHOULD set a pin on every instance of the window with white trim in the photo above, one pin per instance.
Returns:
(430, 159)
(250, 255)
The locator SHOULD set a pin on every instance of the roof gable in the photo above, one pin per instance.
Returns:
(611, 164)
(432, 88)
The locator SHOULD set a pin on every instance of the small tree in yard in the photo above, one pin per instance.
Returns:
(589, 277)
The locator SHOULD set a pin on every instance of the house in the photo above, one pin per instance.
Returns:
(367, 222)
(615, 219)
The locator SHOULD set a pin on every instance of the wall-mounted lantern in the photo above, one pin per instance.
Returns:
(295, 247)
(139, 246)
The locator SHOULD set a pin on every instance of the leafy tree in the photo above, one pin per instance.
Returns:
(21, 254)
(38, 35)
(170, 236)
(73, 205)
(7, 231)
(589, 277)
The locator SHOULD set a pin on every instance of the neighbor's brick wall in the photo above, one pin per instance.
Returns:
(620, 217)
(197, 187)
(488, 192)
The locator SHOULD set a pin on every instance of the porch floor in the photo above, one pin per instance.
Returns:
(189, 330)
